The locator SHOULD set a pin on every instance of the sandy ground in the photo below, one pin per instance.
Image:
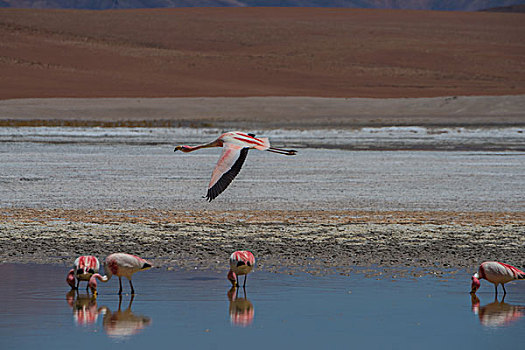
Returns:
(260, 52)
(267, 112)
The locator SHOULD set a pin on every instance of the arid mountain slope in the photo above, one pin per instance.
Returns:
(445, 5)
(260, 52)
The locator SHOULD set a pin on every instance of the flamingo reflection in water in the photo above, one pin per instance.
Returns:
(123, 324)
(497, 313)
(85, 311)
(241, 309)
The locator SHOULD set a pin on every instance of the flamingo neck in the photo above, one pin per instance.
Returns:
(71, 278)
(232, 277)
(187, 149)
(101, 278)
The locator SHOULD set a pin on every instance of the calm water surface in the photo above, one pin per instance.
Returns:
(197, 309)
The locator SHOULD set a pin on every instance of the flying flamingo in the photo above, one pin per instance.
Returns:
(497, 273)
(122, 265)
(83, 268)
(235, 148)
(241, 263)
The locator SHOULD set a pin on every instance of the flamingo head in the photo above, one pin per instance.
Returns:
(146, 266)
(70, 279)
(232, 277)
(182, 148)
(475, 284)
(92, 284)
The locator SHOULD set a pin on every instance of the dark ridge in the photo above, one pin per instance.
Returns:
(457, 5)
(509, 9)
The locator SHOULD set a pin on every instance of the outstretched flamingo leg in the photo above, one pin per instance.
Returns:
(78, 284)
(504, 291)
(120, 284)
(245, 277)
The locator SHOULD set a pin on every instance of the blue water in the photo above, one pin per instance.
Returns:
(181, 309)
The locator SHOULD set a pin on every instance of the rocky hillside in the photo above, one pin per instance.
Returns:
(445, 5)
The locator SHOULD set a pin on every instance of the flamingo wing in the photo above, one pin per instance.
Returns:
(228, 166)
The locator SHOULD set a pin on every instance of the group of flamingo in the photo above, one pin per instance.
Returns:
(86, 268)
(235, 146)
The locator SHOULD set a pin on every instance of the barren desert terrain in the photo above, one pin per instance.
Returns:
(260, 52)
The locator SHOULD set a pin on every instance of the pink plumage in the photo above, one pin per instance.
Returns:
(241, 263)
(235, 146)
(497, 273)
(124, 265)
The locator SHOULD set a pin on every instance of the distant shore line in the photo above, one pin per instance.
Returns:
(266, 112)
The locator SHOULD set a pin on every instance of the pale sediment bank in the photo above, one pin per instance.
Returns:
(284, 241)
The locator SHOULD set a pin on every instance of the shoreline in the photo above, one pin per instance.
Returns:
(283, 241)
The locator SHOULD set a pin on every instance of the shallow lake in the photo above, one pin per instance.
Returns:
(197, 309)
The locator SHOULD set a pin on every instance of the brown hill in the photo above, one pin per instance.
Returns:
(259, 52)
(444, 5)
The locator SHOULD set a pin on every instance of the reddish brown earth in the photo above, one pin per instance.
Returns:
(260, 52)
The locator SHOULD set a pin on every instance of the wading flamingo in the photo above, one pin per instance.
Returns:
(119, 264)
(122, 265)
(83, 268)
(235, 148)
(241, 263)
(497, 273)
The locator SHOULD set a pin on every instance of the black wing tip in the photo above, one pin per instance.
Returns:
(227, 177)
